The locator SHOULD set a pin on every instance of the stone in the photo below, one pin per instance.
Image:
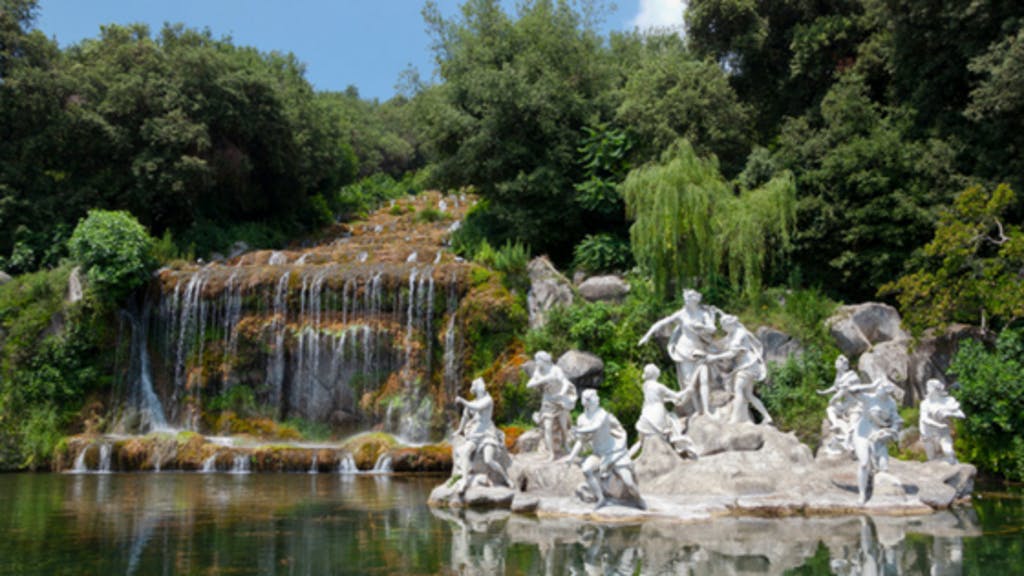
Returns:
(891, 360)
(778, 346)
(857, 328)
(609, 288)
(529, 441)
(933, 353)
(4, 278)
(583, 369)
(548, 289)
(523, 504)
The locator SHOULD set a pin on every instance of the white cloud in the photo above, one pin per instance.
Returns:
(660, 14)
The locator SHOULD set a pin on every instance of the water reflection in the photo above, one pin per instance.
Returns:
(299, 524)
(496, 542)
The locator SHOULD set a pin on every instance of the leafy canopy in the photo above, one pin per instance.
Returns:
(115, 252)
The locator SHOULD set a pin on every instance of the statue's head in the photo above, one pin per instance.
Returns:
(651, 372)
(478, 387)
(691, 296)
(729, 322)
(589, 398)
(542, 358)
(842, 363)
(935, 386)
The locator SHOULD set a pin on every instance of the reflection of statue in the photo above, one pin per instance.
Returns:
(654, 419)
(481, 457)
(878, 423)
(689, 345)
(937, 409)
(749, 368)
(609, 459)
(559, 398)
(840, 407)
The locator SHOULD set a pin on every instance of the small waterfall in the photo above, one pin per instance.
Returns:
(192, 312)
(105, 452)
(210, 464)
(277, 259)
(279, 326)
(314, 468)
(383, 465)
(80, 467)
(141, 395)
(240, 464)
(347, 464)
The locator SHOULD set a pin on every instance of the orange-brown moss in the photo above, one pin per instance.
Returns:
(366, 449)
(430, 458)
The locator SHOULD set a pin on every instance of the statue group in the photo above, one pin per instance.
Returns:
(715, 378)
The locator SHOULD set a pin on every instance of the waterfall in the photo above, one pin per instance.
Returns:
(105, 451)
(141, 396)
(210, 464)
(80, 467)
(347, 464)
(191, 332)
(314, 468)
(383, 465)
(279, 326)
(240, 464)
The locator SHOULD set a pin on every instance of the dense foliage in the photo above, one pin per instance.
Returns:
(991, 393)
(115, 252)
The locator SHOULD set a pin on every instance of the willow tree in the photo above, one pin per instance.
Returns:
(689, 225)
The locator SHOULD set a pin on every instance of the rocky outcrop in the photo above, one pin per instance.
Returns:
(4, 278)
(934, 351)
(857, 328)
(604, 289)
(583, 369)
(778, 346)
(548, 289)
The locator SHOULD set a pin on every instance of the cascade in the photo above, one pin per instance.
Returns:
(105, 450)
(314, 466)
(347, 464)
(210, 464)
(240, 464)
(383, 465)
(341, 333)
(80, 467)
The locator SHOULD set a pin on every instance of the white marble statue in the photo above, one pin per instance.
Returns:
(878, 423)
(840, 410)
(479, 446)
(654, 419)
(558, 400)
(689, 346)
(609, 462)
(937, 409)
(747, 356)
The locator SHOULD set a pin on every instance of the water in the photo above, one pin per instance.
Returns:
(187, 523)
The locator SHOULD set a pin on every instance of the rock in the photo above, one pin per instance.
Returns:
(583, 369)
(548, 288)
(890, 360)
(529, 441)
(523, 504)
(657, 458)
(216, 257)
(778, 346)
(604, 289)
(238, 248)
(4, 278)
(858, 327)
(933, 353)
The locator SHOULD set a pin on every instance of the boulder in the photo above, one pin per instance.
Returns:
(604, 289)
(778, 346)
(890, 360)
(4, 278)
(934, 352)
(858, 327)
(548, 289)
(238, 248)
(583, 369)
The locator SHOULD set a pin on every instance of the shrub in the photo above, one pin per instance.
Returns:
(991, 393)
(602, 253)
(791, 396)
(115, 252)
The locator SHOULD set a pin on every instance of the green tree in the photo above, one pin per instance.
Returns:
(115, 252)
(690, 227)
(510, 115)
(672, 95)
(992, 395)
(970, 271)
(868, 194)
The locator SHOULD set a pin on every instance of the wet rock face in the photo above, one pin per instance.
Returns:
(548, 289)
(604, 289)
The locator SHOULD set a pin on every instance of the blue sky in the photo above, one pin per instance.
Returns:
(366, 43)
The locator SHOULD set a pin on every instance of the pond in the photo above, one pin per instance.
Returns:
(299, 524)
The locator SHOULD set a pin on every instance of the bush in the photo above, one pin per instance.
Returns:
(602, 253)
(115, 252)
(511, 260)
(991, 393)
(791, 396)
